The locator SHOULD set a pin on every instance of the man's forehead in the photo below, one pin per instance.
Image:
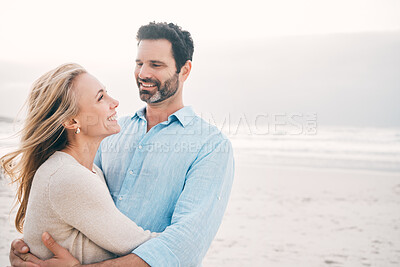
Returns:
(160, 48)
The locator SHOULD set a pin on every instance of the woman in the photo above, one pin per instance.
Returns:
(60, 190)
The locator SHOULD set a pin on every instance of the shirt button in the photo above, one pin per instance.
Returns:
(140, 147)
(143, 123)
(219, 198)
(131, 172)
(120, 198)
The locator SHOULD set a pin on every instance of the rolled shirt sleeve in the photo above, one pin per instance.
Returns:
(198, 212)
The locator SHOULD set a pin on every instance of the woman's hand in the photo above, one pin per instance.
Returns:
(20, 256)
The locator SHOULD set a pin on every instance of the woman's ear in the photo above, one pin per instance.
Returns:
(71, 124)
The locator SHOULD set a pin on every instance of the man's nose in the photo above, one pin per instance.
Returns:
(144, 72)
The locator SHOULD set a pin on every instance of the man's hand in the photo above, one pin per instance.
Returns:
(62, 257)
(20, 256)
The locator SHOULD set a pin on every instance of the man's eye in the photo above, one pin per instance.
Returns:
(156, 65)
(139, 64)
(100, 98)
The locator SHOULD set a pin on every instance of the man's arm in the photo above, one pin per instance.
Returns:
(197, 216)
(198, 212)
(128, 260)
(20, 257)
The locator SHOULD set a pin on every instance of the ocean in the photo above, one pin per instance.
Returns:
(356, 148)
(8, 140)
(307, 144)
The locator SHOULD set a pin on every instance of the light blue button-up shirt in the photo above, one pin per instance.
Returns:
(175, 179)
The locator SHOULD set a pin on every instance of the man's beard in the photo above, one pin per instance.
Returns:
(168, 89)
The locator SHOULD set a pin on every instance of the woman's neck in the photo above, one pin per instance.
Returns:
(83, 151)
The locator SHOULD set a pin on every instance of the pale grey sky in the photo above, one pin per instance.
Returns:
(31, 30)
(231, 38)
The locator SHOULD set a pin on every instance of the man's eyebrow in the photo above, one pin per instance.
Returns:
(152, 61)
(157, 61)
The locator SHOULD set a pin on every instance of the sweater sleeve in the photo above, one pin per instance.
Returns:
(83, 201)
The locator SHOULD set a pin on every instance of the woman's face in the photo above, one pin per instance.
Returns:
(97, 115)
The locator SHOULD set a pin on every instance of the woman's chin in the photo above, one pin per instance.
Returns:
(117, 130)
(114, 129)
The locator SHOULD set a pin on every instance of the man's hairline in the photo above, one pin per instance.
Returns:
(153, 39)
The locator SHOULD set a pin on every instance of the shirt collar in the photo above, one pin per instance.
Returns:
(140, 114)
(185, 115)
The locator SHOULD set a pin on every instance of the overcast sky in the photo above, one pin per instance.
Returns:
(47, 28)
(231, 38)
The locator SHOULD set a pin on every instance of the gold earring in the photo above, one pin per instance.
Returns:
(77, 130)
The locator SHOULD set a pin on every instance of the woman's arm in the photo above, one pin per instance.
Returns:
(83, 201)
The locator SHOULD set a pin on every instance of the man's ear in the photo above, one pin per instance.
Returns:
(71, 124)
(185, 70)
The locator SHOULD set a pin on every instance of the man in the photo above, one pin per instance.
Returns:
(167, 170)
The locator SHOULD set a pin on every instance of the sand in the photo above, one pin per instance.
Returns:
(286, 216)
(309, 217)
(7, 229)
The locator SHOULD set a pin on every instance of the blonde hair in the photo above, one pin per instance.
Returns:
(51, 102)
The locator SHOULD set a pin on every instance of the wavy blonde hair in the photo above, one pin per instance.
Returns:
(51, 102)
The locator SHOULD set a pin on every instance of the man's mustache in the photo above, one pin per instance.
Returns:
(148, 81)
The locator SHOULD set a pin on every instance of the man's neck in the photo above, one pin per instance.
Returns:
(156, 113)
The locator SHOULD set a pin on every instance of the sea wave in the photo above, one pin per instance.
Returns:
(360, 148)
(345, 147)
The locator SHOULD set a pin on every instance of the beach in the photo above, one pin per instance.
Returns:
(289, 217)
(7, 229)
(322, 211)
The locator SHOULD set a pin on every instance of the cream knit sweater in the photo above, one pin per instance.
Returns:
(75, 207)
